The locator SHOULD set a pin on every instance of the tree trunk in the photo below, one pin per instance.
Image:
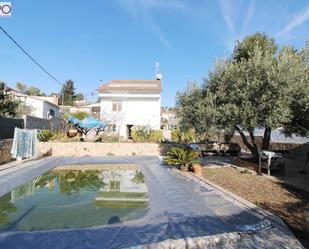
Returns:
(266, 138)
(245, 140)
(255, 151)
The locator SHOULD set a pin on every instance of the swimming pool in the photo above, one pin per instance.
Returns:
(76, 196)
(163, 208)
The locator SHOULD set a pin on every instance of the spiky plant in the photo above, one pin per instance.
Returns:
(181, 157)
(45, 135)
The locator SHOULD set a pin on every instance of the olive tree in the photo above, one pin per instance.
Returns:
(8, 107)
(297, 73)
(255, 88)
(249, 94)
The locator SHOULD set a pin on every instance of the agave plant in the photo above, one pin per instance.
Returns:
(45, 135)
(182, 157)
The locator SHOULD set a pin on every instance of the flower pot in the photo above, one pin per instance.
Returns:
(197, 169)
(72, 133)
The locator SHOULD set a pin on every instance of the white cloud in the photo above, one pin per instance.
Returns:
(297, 20)
(157, 31)
(143, 7)
(226, 12)
(250, 12)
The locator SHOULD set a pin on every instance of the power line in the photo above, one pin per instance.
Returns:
(30, 57)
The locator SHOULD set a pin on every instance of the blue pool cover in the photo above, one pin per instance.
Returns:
(87, 124)
(184, 212)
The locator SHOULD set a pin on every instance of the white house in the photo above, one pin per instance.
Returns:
(39, 106)
(92, 109)
(127, 103)
(169, 119)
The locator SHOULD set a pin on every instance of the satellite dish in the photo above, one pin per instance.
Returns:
(159, 76)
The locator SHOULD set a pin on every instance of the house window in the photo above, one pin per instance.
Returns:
(117, 107)
(52, 113)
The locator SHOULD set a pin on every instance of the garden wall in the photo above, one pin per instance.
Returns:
(5, 149)
(7, 126)
(99, 149)
(272, 146)
(297, 152)
(54, 124)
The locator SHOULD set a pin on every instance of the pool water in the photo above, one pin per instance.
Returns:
(75, 197)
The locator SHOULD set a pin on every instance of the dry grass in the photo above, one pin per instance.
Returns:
(274, 196)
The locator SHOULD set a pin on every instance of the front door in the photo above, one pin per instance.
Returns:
(129, 131)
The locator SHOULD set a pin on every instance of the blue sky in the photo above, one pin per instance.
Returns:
(89, 41)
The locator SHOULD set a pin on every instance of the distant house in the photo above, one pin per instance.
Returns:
(38, 106)
(92, 109)
(169, 118)
(128, 103)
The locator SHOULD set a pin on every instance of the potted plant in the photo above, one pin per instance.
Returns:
(182, 158)
(72, 132)
(197, 169)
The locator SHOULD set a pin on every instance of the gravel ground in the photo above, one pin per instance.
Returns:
(274, 196)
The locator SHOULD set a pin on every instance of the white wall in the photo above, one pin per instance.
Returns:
(142, 109)
(46, 109)
(36, 105)
(39, 108)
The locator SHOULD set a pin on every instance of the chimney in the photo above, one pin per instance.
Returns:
(55, 99)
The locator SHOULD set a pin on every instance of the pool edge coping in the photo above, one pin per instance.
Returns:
(236, 197)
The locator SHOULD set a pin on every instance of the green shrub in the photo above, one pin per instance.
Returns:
(178, 157)
(155, 136)
(62, 137)
(141, 134)
(48, 135)
(108, 138)
(189, 135)
(80, 115)
(176, 135)
(45, 135)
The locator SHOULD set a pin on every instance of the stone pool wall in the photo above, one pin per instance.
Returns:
(99, 149)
